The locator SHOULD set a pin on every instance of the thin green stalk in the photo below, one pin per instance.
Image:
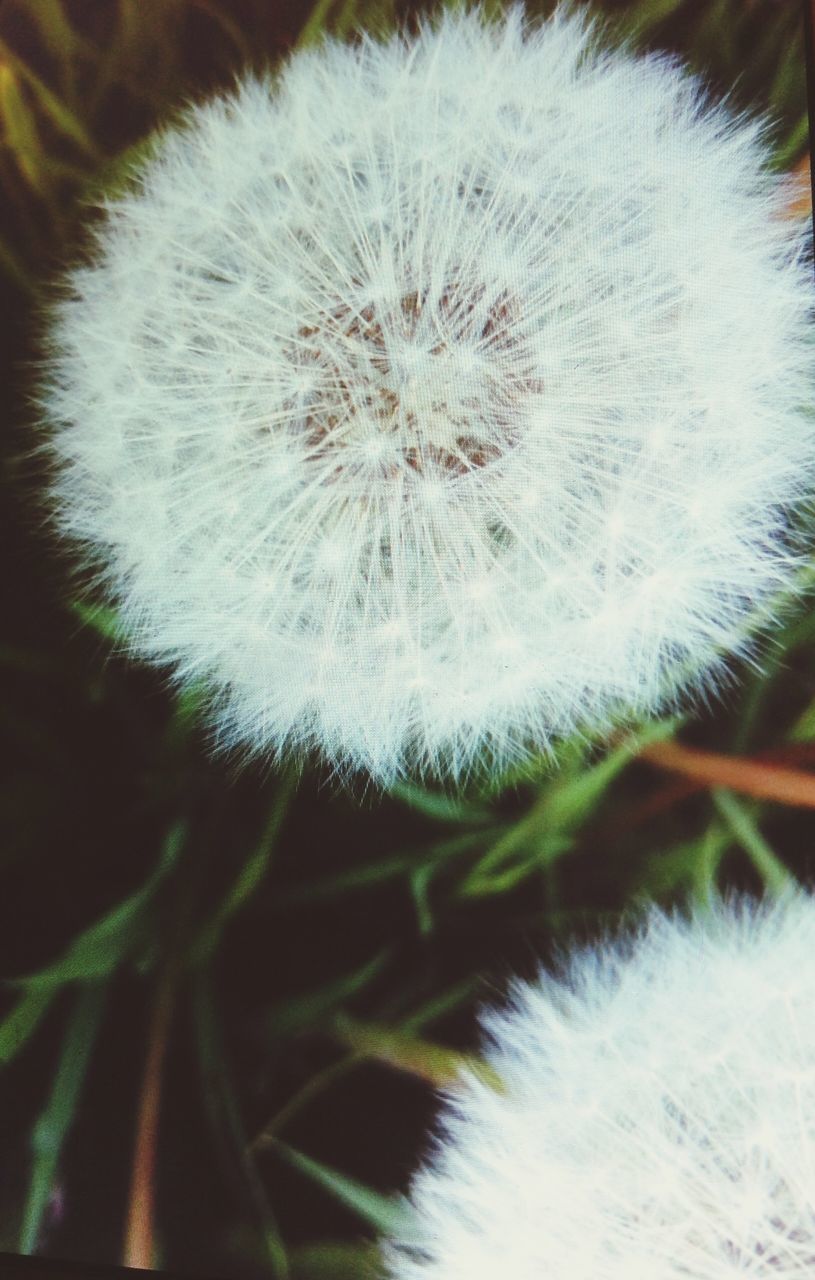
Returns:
(775, 875)
(54, 1124)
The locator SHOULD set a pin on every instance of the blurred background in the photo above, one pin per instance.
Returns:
(232, 995)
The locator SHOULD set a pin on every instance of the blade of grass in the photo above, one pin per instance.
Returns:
(23, 1019)
(54, 1124)
(803, 730)
(337, 1262)
(405, 862)
(65, 120)
(322, 1080)
(313, 1008)
(438, 1005)
(419, 881)
(101, 618)
(565, 803)
(441, 808)
(314, 28)
(56, 31)
(709, 853)
(435, 1064)
(21, 133)
(224, 1115)
(111, 180)
(143, 32)
(348, 16)
(16, 270)
(688, 867)
(388, 1215)
(572, 800)
(775, 875)
(251, 874)
(313, 1087)
(99, 949)
(62, 40)
(232, 30)
(540, 861)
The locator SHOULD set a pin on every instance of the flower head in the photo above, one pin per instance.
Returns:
(439, 395)
(658, 1118)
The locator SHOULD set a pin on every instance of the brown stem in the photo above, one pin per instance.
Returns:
(138, 1248)
(749, 777)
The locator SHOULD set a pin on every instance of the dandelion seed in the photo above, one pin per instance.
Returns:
(657, 1119)
(426, 343)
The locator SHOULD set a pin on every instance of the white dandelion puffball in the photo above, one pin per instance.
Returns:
(657, 1120)
(439, 395)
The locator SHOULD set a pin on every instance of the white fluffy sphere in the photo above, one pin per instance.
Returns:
(658, 1119)
(439, 396)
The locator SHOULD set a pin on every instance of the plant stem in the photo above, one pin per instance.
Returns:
(749, 777)
(138, 1248)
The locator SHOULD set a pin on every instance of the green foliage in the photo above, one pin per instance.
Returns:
(385, 1214)
(55, 1121)
(101, 948)
(327, 951)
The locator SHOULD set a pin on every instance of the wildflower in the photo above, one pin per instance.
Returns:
(658, 1118)
(439, 396)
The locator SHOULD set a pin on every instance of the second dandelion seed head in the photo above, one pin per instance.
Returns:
(654, 1115)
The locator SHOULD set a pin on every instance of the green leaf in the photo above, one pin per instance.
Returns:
(439, 1004)
(337, 1261)
(116, 177)
(540, 856)
(56, 30)
(419, 885)
(20, 130)
(766, 861)
(16, 270)
(316, 1005)
(54, 1123)
(405, 862)
(564, 803)
(100, 618)
(689, 866)
(339, 17)
(224, 1114)
(434, 1063)
(100, 948)
(572, 800)
(388, 1215)
(638, 21)
(315, 28)
(64, 43)
(60, 114)
(313, 1087)
(232, 30)
(440, 807)
(794, 145)
(23, 1019)
(803, 730)
(251, 874)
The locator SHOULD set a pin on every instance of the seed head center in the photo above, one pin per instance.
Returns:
(424, 386)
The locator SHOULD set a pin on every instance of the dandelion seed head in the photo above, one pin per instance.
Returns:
(656, 1118)
(484, 341)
